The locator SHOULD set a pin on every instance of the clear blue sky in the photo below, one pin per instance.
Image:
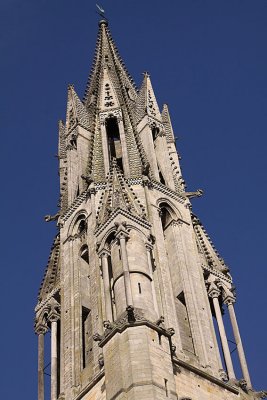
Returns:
(208, 61)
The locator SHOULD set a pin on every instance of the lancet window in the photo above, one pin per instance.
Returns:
(87, 337)
(113, 138)
(167, 218)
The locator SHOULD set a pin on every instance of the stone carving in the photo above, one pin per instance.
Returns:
(108, 327)
(160, 322)
(108, 97)
(131, 314)
(54, 217)
(87, 178)
(41, 328)
(170, 331)
(223, 375)
(103, 116)
(191, 195)
(101, 360)
(54, 310)
(97, 337)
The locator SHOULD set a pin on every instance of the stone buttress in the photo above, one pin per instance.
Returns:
(134, 285)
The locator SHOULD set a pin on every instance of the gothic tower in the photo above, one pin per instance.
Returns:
(134, 290)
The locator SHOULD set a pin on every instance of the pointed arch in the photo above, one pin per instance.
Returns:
(78, 223)
(169, 206)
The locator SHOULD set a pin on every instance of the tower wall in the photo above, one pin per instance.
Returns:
(133, 281)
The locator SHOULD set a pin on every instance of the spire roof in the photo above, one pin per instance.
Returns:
(111, 89)
(146, 103)
(167, 124)
(208, 249)
(107, 57)
(76, 112)
(52, 273)
(118, 195)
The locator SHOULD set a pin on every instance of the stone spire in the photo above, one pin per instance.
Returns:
(111, 93)
(146, 103)
(166, 119)
(133, 280)
(76, 112)
(107, 57)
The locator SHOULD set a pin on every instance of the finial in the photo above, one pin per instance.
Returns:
(103, 22)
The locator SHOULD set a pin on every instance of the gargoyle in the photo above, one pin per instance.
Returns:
(97, 337)
(49, 218)
(160, 322)
(197, 193)
(170, 331)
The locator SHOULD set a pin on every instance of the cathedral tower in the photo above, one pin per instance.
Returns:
(134, 290)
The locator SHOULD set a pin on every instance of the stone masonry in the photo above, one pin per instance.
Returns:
(133, 285)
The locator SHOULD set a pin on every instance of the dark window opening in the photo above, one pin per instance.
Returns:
(139, 288)
(162, 180)
(114, 143)
(82, 226)
(87, 337)
(85, 253)
(166, 218)
(155, 132)
(159, 335)
(166, 387)
(184, 324)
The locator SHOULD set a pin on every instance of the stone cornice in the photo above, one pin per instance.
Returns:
(46, 300)
(91, 384)
(120, 211)
(129, 319)
(76, 203)
(217, 273)
(205, 375)
(166, 190)
(132, 181)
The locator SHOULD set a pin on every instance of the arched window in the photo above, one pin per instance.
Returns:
(155, 132)
(166, 217)
(84, 253)
(82, 226)
(113, 138)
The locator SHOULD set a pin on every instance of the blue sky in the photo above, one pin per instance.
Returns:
(207, 59)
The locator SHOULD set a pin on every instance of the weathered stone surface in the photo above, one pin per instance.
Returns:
(133, 279)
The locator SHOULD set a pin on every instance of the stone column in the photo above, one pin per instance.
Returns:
(53, 360)
(92, 192)
(214, 293)
(40, 331)
(53, 317)
(122, 236)
(104, 254)
(229, 301)
(149, 248)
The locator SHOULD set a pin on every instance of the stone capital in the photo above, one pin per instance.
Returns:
(104, 253)
(53, 316)
(121, 232)
(214, 290)
(228, 300)
(54, 310)
(41, 328)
